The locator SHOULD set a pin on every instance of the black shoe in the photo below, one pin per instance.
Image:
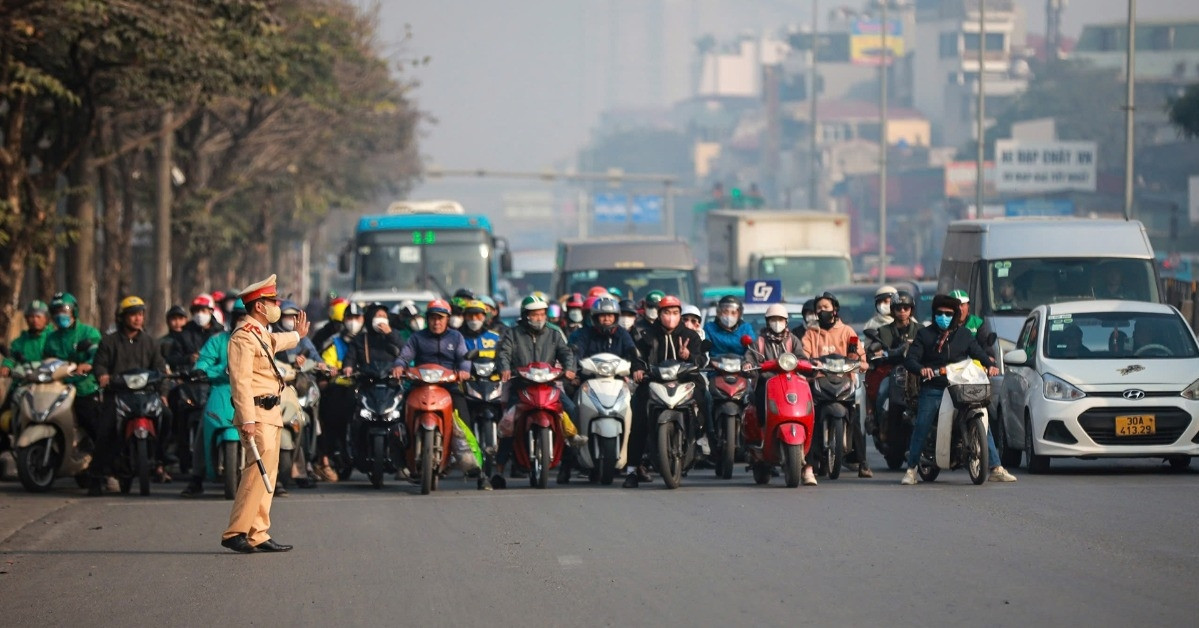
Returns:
(195, 488)
(270, 545)
(484, 484)
(96, 487)
(631, 481)
(239, 543)
(281, 491)
(564, 474)
(643, 475)
(498, 481)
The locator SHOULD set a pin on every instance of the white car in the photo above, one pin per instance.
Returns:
(1102, 379)
(755, 313)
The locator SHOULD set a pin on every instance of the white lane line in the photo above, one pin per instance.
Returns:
(569, 561)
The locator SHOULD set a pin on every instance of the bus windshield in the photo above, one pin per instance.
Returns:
(442, 260)
(634, 283)
(1016, 286)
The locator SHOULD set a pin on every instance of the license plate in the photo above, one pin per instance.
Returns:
(1136, 425)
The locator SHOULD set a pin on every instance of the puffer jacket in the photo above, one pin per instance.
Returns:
(728, 341)
(590, 340)
(818, 342)
(424, 347)
(522, 345)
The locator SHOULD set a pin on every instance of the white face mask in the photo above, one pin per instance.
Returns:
(728, 321)
(288, 324)
(416, 324)
(455, 321)
(809, 319)
(354, 326)
(778, 326)
(627, 321)
(474, 324)
(575, 316)
(884, 309)
(378, 324)
(202, 318)
(537, 325)
(651, 313)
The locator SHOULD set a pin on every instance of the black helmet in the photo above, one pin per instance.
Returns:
(809, 307)
(605, 305)
(831, 297)
(729, 299)
(628, 307)
(176, 311)
(353, 309)
(902, 298)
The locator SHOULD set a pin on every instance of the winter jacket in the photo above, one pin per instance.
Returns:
(423, 347)
(877, 321)
(372, 349)
(188, 343)
(659, 345)
(589, 341)
(896, 340)
(772, 345)
(726, 341)
(819, 342)
(119, 353)
(65, 344)
(28, 346)
(523, 346)
(934, 349)
(484, 344)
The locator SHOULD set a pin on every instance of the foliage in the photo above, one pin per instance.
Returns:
(1184, 112)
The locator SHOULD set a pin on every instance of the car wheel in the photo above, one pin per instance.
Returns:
(1008, 456)
(1036, 464)
(1178, 464)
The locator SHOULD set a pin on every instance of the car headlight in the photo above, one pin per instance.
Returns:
(1058, 389)
(1192, 392)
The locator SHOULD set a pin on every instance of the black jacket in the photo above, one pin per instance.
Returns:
(895, 340)
(590, 341)
(959, 345)
(188, 342)
(119, 353)
(657, 346)
(381, 349)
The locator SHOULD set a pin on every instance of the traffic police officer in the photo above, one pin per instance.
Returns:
(255, 385)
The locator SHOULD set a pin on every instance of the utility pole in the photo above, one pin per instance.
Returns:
(162, 228)
(1130, 107)
(982, 111)
(884, 63)
(813, 96)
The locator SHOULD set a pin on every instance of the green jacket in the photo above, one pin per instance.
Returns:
(29, 346)
(64, 344)
(973, 323)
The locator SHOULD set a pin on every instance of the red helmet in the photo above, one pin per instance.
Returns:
(590, 302)
(437, 306)
(203, 300)
(669, 301)
(575, 300)
(597, 291)
(218, 295)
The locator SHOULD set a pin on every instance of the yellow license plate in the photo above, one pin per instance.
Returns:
(1136, 425)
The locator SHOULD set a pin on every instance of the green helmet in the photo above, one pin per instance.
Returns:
(36, 307)
(654, 296)
(64, 300)
(960, 295)
(532, 303)
(239, 307)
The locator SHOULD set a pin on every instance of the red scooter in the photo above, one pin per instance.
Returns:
(537, 432)
(790, 418)
(429, 418)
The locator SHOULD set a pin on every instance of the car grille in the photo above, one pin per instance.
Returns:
(1120, 393)
(1100, 425)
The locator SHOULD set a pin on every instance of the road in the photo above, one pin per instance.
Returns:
(1093, 543)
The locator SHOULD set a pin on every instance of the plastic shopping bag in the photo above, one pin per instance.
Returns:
(508, 423)
(568, 427)
(463, 454)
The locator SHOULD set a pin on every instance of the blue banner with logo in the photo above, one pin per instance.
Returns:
(764, 291)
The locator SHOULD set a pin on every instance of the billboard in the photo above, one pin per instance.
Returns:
(960, 178)
(866, 42)
(615, 207)
(1044, 166)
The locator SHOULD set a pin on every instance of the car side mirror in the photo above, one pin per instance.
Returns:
(1016, 357)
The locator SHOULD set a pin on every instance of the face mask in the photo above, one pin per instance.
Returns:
(273, 312)
(943, 320)
(651, 313)
(63, 321)
(628, 321)
(455, 321)
(378, 323)
(288, 324)
(575, 316)
(778, 327)
(354, 326)
(202, 318)
(474, 325)
(416, 324)
(728, 321)
(827, 319)
(537, 325)
(883, 309)
(809, 319)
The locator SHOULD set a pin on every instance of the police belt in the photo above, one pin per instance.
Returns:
(266, 402)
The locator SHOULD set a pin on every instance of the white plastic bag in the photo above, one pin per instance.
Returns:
(966, 372)
(461, 455)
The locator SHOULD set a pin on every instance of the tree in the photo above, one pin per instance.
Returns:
(1184, 112)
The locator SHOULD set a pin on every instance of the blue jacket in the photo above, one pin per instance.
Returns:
(448, 350)
(588, 341)
(485, 345)
(724, 341)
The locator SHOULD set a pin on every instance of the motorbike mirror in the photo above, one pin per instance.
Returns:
(746, 340)
(990, 339)
(17, 356)
(83, 345)
(873, 335)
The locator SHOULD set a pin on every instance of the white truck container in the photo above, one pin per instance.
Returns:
(806, 250)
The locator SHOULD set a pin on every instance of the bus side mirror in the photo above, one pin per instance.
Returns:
(506, 261)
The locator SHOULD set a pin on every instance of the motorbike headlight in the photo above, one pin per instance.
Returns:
(605, 368)
(1192, 392)
(364, 413)
(484, 369)
(1058, 389)
(430, 376)
(393, 415)
(788, 361)
(136, 381)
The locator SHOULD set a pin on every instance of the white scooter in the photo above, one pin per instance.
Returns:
(962, 425)
(605, 415)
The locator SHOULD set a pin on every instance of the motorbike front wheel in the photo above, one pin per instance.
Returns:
(232, 454)
(976, 450)
(792, 464)
(670, 454)
(378, 454)
(426, 462)
(143, 466)
(834, 446)
(35, 477)
(607, 461)
(545, 457)
(761, 473)
(729, 453)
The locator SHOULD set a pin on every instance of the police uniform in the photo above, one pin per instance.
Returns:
(255, 385)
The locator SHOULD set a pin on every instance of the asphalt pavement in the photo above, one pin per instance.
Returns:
(1093, 543)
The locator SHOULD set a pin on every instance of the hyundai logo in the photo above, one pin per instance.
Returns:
(1133, 394)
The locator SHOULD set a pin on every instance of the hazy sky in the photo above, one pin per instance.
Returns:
(518, 84)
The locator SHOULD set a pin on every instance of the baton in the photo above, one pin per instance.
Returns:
(266, 479)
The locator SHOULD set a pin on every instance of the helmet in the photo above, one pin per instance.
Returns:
(36, 307)
(628, 307)
(554, 310)
(809, 307)
(63, 300)
(653, 297)
(691, 310)
(131, 304)
(961, 295)
(574, 300)
(729, 299)
(669, 301)
(944, 301)
(597, 291)
(605, 305)
(405, 309)
(473, 306)
(532, 303)
(337, 309)
(218, 295)
(489, 302)
(238, 307)
(589, 304)
(903, 298)
(831, 297)
(353, 309)
(615, 292)
(885, 292)
(176, 311)
(203, 301)
(290, 308)
(437, 306)
(463, 293)
(540, 295)
(777, 310)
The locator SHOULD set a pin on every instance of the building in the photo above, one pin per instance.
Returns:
(1166, 51)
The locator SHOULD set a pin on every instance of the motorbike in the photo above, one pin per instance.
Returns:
(187, 401)
(835, 395)
(895, 424)
(297, 401)
(537, 430)
(429, 417)
(730, 402)
(786, 436)
(377, 434)
(605, 415)
(48, 443)
(485, 397)
(225, 456)
(961, 425)
(139, 420)
(674, 409)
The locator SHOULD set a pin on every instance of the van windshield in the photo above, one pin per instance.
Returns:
(1016, 286)
(804, 275)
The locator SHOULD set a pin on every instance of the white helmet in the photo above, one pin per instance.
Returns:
(693, 311)
(885, 292)
(777, 310)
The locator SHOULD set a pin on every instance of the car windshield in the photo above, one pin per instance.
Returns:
(1118, 335)
(634, 283)
(1017, 286)
(804, 275)
(440, 261)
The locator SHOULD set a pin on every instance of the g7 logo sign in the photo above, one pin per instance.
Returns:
(764, 291)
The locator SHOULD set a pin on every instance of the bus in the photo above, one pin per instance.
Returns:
(420, 250)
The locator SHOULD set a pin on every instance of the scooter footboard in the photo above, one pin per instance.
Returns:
(945, 431)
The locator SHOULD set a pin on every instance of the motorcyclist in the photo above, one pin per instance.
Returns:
(773, 341)
(176, 319)
(76, 342)
(895, 337)
(438, 345)
(693, 320)
(29, 345)
(649, 314)
(628, 316)
(808, 312)
(530, 340)
(666, 339)
(406, 318)
(324, 336)
(181, 355)
(726, 330)
(481, 341)
(376, 347)
(832, 336)
(976, 324)
(936, 346)
(302, 352)
(491, 318)
(126, 349)
(337, 402)
(573, 318)
(882, 308)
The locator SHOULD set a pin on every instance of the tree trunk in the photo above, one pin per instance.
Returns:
(109, 273)
(81, 253)
(162, 232)
(15, 253)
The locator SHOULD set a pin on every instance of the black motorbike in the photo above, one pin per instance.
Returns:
(139, 412)
(674, 410)
(484, 397)
(895, 425)
(833, 392)
(377, 436)
(730, 399)
(187, 401)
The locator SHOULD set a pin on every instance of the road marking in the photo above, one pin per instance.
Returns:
(569, 561)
